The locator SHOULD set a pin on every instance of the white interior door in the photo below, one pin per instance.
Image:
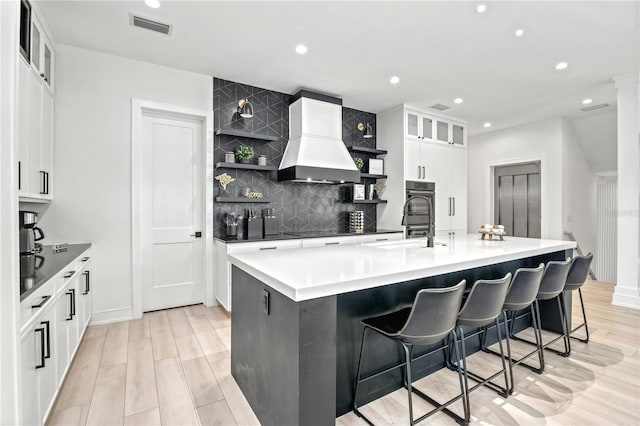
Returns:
(171, 211)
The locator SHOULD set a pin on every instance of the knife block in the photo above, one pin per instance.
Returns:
(253, 228)
(270, 226)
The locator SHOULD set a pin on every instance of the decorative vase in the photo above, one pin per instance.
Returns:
(245, 161)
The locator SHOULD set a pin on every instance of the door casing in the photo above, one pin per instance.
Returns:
(139, 108)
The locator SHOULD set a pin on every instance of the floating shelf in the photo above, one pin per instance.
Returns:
(241, 200)
(243, 134)
(244, 166)
(367, 150)
(370, 176)
(369, 202)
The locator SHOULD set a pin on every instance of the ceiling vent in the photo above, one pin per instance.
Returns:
(439, 107)
(148, 24)
(594, 107)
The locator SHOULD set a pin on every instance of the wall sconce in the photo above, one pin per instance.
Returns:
(368, 130)
(245, 109)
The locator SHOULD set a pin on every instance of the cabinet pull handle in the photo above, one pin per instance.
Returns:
(42, 74)
(47, 174)
(69, 274)
(84, 259)
(382, 239)
(42, 302)
(418, 172)
(42, 362)
(73, 298)
(43, 182)
(87, 286)
(46, 324)
(332, 244)
(70, 305)
(454, 206)
(424, 173)
(19, 175)
(268, 248)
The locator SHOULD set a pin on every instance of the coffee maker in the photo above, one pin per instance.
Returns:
(29, 233)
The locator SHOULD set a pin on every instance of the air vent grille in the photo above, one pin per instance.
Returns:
(439, 107)
(148, 24)
(594, 107)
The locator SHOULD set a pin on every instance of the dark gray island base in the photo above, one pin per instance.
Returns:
(296, 365)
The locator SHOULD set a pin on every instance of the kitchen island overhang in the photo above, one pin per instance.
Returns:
(296, 329)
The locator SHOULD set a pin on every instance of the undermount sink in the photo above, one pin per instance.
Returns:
(413, 243)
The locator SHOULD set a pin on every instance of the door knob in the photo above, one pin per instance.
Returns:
(198, 234)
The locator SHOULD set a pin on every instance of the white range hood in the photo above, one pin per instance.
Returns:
(316, 152)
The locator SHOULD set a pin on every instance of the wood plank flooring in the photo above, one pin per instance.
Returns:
(172, 367)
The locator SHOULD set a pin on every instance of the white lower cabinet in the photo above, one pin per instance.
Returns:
(222, 250)
(53, 320)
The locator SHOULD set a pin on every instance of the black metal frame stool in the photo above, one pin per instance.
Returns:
(430, 320)
(576, 278)
(551, 287)
(522, 295)
(483, 307)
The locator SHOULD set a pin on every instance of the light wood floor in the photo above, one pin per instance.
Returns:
(173, 367)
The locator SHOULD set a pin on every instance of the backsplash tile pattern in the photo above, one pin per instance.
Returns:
(298, 206)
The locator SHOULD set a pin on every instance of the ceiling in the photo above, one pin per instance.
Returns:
(440, 50)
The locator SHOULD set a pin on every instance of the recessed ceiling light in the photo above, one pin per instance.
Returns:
(481, 8)
(561, 66)
(587, 101)
(519, 32)
(152, 3)
(394, 79)
(486, 125)
(301, 49)
(458, 100)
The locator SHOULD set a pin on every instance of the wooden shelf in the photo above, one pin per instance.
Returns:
(243, 134)
(370, 176)
(244, 166)
(241, 200)
(367, 150)
(377, 201)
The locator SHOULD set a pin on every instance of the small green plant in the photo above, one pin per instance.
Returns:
(244, 152)
(358, 162)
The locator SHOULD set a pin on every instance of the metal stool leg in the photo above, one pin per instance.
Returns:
(510, 360)
(505, 393)
(407, 354)
(584, 324)
(355, 391)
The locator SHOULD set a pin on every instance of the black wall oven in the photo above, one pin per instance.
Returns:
(420, 212)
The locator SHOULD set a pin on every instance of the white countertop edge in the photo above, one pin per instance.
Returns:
(331, 289)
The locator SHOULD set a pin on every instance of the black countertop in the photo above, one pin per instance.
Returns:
(304, 234)
(43, 266)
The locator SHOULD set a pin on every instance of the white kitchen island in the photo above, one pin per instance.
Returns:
(296, 319)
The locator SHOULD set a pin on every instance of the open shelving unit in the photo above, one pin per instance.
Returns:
(241, 200)
(363, 150)
(245, 166)
(377, 201)
(242, 134)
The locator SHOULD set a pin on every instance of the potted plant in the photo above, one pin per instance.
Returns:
(244, 154)
(358, 162)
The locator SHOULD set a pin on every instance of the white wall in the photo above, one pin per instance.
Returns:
(92, 159)
(534, 141)
(598, 136)
(9, 266)
(579, 201)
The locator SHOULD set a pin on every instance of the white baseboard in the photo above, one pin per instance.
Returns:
(111, 315)
(626, 297)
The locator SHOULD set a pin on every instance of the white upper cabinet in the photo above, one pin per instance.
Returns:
(451, 132)
(418, 126)
(41, 53)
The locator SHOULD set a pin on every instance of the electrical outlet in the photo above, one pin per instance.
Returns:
(266, 302)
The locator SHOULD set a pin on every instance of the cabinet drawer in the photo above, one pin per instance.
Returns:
(331, 241)
(36, 302)
(263, 245)
(380, 237)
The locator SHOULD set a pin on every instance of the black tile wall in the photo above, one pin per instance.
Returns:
(298, 206)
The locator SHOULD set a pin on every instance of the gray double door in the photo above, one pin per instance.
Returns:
(517, 199)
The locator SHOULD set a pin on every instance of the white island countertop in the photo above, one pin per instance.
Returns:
(309, 273)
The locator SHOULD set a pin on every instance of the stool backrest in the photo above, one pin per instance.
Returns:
(553, 279)
(485, 302)
(578, 272)
(524, 288)
(433, 314)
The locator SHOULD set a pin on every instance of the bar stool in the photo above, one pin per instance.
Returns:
(551, 287)
(430, 320)
(482, 307)
(522, 295)
(576, 278)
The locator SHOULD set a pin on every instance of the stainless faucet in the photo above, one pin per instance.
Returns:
(405, 214)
